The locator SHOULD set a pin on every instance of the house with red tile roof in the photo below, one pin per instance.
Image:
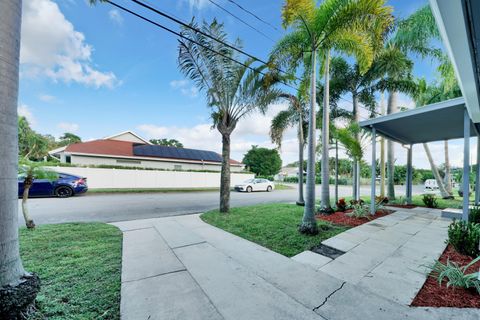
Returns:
(129, 149)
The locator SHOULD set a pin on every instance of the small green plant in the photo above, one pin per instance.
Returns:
(359, 211)
(474, 215)
(456, 275)
(464, 237)
(430, 200)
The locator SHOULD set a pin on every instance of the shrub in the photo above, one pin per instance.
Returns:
(474, 215)
(430, 200)
(270, 178)
(341, 205)
(456, 275)
(359, 211)
(355, 202)
(464, 237)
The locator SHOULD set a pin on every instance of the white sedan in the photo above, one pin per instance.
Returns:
(255, 185)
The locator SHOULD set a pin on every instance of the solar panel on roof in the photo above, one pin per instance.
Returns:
(175, 153)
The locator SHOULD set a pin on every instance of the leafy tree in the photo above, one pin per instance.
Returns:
(30, 171)
(233, 90)
(68, 138)
(32, 145)
(263, 161)
(167, 142)
(352, 27)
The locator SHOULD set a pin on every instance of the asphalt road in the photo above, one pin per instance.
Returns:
(119, 207)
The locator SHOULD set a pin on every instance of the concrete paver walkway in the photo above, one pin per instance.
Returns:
(182, 268)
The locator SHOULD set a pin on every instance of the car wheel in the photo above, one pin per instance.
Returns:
(269, 189)
(63, 192)
(249, 189)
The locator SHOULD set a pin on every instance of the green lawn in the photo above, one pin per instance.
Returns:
(272, 225)
(148, 190)
(79, 265)
(279, 186)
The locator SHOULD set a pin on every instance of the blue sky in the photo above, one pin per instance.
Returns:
(96, 71)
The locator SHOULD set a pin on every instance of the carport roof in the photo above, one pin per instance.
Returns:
(435, 122)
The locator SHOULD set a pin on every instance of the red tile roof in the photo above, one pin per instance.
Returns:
(110, 147)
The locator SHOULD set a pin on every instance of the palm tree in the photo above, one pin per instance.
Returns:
(233, 90)
(285, 119)
(353, 27)
(30, 171)
(18, 288)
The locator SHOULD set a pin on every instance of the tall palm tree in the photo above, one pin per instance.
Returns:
(18, 288)
(293, 116)
(233, 90)
(348, 26)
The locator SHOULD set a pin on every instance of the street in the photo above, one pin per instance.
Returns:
(130, 206)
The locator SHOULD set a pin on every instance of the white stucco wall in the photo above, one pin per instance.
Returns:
(124, 178)
(91, 160)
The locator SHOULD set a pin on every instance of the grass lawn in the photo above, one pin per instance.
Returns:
(272, 225)
(279, 186)
(79, 265)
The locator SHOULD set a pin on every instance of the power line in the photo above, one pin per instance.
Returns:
(253, 14)
(240, 19)
(191, 40)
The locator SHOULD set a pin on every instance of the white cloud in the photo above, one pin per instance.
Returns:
(115, 16)
(24, 111)
(197, 4)
(46, 97)
(68, 126)
(185, 87)
(51, 47)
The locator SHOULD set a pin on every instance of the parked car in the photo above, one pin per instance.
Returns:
(256, 185)
(65, 186)
(431, 184)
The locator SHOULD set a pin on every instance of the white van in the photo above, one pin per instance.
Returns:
(431, 184)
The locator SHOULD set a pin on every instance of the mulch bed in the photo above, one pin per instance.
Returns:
(434, 295)
(405, 206)
(343, 219)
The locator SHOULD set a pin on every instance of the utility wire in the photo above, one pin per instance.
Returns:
(207, 35)
(240, 19)
(253, 14)
(191, 40)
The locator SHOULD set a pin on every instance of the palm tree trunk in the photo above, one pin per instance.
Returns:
(18, 289)
(382, 151)
(448, 180)
(300, 201)
(391, 108)
(309, 224)
(26, 215)
(325, 195)
(225, 174)
(435, 172)
(336, 171)
(356, 171)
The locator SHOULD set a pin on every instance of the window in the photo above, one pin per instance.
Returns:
(177, 167)
(129, 161)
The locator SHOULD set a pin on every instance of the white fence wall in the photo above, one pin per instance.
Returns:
(138, 179)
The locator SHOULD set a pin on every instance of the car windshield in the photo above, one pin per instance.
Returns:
(249, 181)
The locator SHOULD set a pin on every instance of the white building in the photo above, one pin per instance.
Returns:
(129, 149)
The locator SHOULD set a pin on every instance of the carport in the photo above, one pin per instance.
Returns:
(436, 122)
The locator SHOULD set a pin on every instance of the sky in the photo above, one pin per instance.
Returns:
(97, 71)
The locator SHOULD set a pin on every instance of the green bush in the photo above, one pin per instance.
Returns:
(464, 237)
(271, 178)
(430, 200)
(456, 275)
(474, 215)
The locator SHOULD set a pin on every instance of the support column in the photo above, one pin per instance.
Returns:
(466, 165)
(409, 179)
(374, 170)
(477, 174)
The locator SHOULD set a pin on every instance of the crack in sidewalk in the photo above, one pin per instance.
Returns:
(328, 297)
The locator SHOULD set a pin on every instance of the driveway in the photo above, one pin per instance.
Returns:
(120, 207)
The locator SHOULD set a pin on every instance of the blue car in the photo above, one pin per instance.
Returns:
(65, 186)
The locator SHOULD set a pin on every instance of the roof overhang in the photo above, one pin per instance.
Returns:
(435, 122)
(459, 25)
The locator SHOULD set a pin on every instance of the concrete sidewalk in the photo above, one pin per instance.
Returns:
(182, 268)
